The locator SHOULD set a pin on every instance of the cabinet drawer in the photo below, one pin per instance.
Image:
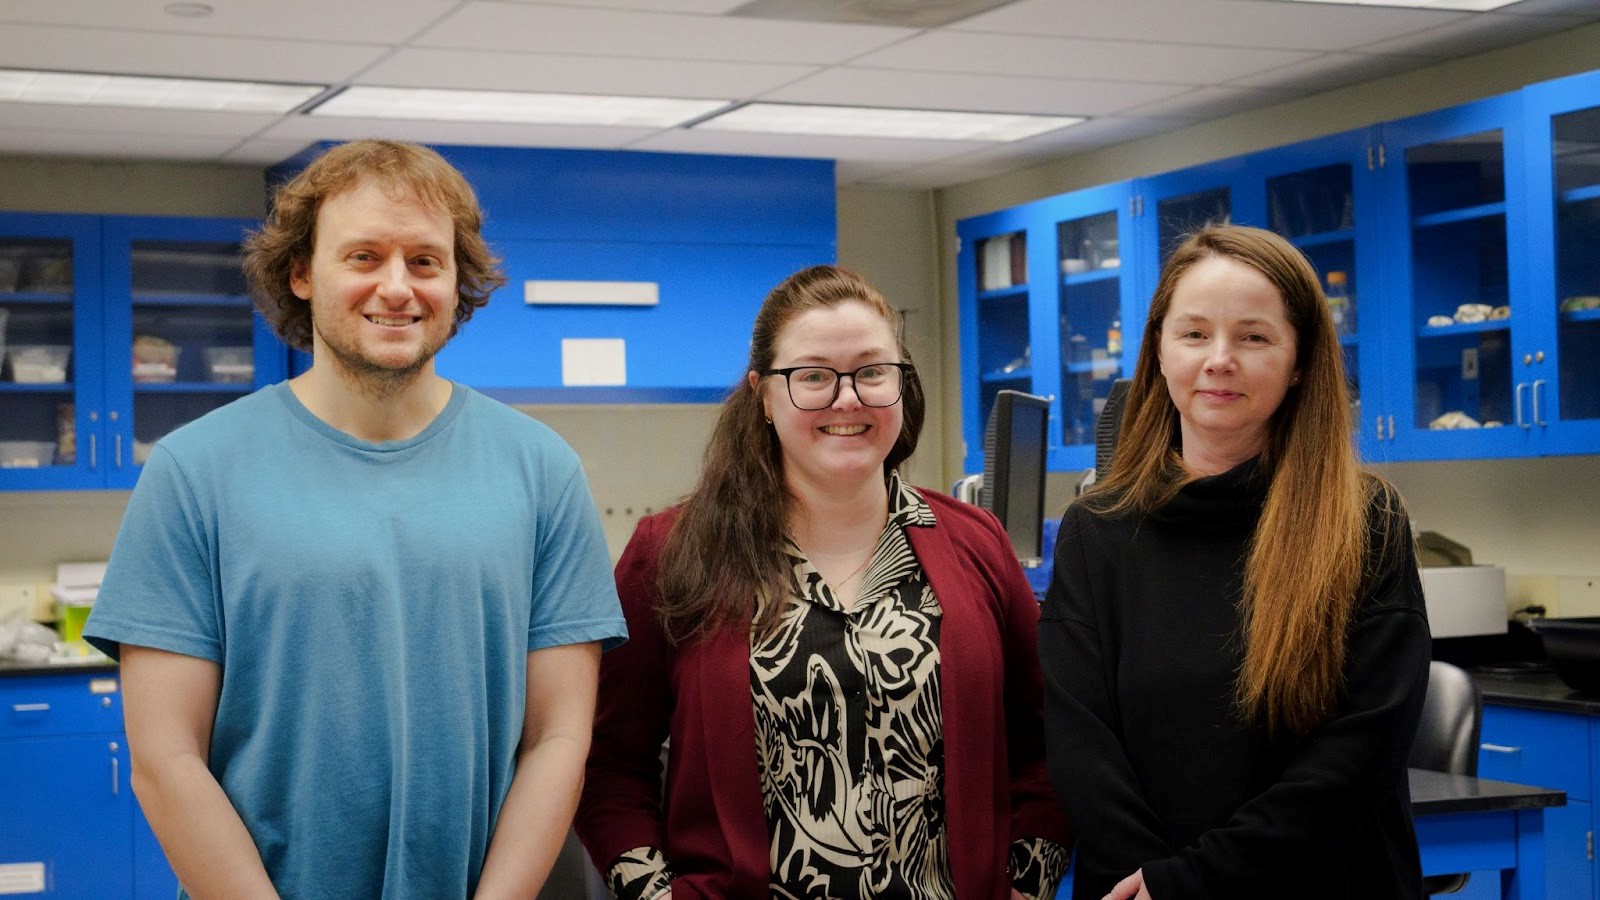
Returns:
(1527, 746)
(80, 703)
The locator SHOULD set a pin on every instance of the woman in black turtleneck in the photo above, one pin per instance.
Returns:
(1234, 645)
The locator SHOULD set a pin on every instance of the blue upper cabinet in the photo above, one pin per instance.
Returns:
(1045, 298)
(119, 329)
(1459, 251)
(182, 336)
(1561, 365)
(51, 380)
(714, 234)
(1456, 284)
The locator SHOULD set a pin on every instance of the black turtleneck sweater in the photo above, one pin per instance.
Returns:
(1140, 642)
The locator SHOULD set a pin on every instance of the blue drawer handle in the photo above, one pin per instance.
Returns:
(30, 707)
(1498, 748)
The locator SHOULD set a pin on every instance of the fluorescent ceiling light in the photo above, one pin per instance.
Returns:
(84, 89)
(512, 106)
(861, 121)
(1451, 5)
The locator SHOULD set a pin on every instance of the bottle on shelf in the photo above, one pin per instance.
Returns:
(1339, 302)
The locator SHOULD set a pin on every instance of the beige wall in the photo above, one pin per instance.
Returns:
(132, 188)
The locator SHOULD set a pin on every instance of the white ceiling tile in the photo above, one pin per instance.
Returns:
(704, 7)
(944, 51)
(196, 56)
(1331, 71)
(265, 151)
(50, 117)
(579, 74)
(333, 128)
(983, 93)
(118, 144)
(538, 28)
(1211, 102)
(693, 140)
(355, 21)
(1479, 34)
(1241, 23)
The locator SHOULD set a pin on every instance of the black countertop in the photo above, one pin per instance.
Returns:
(1433, 793)
(1535, 690)
(17, 667)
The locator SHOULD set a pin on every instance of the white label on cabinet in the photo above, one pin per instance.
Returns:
(22, 878)
(102, 685)
(592, 293)
(594, 361)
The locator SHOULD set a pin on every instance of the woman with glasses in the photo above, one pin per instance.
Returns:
(844, 664)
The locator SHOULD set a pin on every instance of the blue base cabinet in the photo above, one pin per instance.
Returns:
(1555, 750)
(70, 827)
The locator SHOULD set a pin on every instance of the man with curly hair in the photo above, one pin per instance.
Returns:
(360, 613)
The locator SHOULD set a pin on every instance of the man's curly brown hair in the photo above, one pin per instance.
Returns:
(285, 241)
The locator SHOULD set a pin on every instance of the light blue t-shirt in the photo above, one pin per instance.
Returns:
(372, 607)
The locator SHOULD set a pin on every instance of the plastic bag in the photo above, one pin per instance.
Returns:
(23, 639)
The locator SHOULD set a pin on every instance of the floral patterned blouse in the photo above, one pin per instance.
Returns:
(850, 740)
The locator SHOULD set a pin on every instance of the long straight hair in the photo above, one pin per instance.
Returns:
(1307, 557)
(725, 553)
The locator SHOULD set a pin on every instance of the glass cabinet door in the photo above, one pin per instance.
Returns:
(1460, 286)
(192, 348)
(1576, 154)
(1316, 210)
(1090, 311)
(49, 375)
(997, 350)
(1455, 282)
(186, 340)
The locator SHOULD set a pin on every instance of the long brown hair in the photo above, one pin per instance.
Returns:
(288, 236)
(1310, 549)
(726, 550)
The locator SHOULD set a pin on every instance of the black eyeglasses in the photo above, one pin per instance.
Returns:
(816, 387)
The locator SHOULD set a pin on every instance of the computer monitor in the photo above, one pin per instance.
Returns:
(1013, 470)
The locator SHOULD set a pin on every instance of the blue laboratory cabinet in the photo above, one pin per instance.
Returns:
(714, 233)
(116, 330)
(1554, 750)
(1493, 206)
(70, 827)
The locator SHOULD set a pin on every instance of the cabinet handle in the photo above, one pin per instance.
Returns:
(93, 464)
(1391, 428)
(1520, 422)
(117, 440)
(1377, 422)
(30, 707)
(1537, 386)
(1498, 748)
(116, 780)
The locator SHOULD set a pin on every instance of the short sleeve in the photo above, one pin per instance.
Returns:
(160, 588)
(574, 594)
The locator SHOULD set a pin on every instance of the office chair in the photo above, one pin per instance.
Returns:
(1447, 741)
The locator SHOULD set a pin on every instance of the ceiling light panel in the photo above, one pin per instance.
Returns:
(511, 106)
(856, 121)
(84, 89)
(1444, 5)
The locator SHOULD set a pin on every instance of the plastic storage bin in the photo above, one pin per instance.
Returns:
(26, 454)
(155, 360)
(230, 365)
(39, 363)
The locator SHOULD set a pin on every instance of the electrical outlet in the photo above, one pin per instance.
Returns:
(17, 597)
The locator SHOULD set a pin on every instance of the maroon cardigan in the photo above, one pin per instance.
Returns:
(712, 827)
